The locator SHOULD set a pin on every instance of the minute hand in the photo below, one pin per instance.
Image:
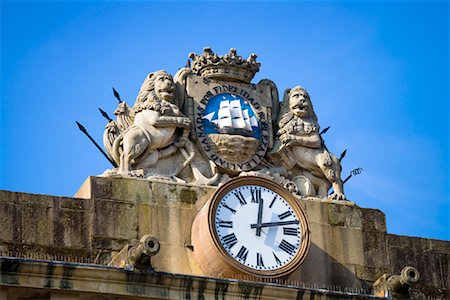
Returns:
(271, 224)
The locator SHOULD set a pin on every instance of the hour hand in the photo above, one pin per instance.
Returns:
(260, 210)
(272, 224)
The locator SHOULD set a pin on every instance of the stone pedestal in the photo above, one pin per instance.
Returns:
(348, 243)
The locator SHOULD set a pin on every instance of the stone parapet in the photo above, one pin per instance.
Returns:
(349, 245)
(430, 257)
(26, 279)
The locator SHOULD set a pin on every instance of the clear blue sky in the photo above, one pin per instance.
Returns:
(377, 72)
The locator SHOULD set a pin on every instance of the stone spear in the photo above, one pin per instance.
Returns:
(325, 130)
(116, 94)
(104, 114)
(81, 127)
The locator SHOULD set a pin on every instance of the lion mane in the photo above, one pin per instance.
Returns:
(289, 123)
(148, 99)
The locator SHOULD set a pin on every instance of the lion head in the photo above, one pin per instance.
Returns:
(158, 88)
(296, 106)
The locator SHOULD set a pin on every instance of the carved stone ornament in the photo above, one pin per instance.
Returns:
(300, 148)
(209, 123)
(149, 132)
(232, 118)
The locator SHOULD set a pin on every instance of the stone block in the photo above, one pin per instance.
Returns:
(373, 220)
(344, 275)
(75, 224)
(125, 189)
(347, 246)
(95, 187)
(344, 215)
(37, 224)
(315, 211)
(369, 273)
(375, 249)
(7, 197)
(114, 219)
(7, 220)
(178, 233)
(320, 235)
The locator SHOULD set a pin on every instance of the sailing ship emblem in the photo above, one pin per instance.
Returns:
(229, 114)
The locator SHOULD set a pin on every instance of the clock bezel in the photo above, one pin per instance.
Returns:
(282, 192)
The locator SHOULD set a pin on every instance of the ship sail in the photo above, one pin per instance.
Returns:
(232, 118)
(225, 114)
(253, 121)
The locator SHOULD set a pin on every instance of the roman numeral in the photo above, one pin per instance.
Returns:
(259, 260)
(256, 195)
(242, 254)
(273, 201)
(229, 240)
(227, 207)
(286, 246)
(227, 224)
(289, 231)
(241, 198)
(277, 259)
(284, 215)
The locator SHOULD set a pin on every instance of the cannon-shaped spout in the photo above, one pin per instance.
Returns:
(137, 257)
(397, 286)
(407, 278)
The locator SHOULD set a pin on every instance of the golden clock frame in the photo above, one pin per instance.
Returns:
(214, 260)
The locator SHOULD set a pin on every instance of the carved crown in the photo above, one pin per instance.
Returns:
(227, 67)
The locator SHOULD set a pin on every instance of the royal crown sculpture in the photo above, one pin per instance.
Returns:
(209, 123)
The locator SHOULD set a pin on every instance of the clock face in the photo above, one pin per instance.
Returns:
(259, 226)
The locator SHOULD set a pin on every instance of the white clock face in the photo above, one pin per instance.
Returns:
(257, 227)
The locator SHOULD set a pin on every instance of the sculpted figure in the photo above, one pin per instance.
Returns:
(147, 132)
(302, 146)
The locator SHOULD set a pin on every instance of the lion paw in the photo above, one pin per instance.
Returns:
(136, 173)
(337, 196)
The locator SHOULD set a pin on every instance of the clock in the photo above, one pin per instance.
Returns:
(251, 225)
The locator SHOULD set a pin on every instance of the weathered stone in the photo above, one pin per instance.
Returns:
(375, 249)
(347, 247)
(300, 144)
(373, 220)
(343, 215)
(316, 211)
(21, 279)
(114, 219)
(430, 257)
(94, 229)
(146, 133)
(321, 237)
(368, 273)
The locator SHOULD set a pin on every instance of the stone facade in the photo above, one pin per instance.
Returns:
(22, 279)
(349, 248)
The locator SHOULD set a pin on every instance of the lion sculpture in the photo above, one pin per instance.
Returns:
(147, 132)
(300, 145)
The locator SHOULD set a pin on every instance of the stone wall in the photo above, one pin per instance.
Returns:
(349, 245)
(22, 279)
(430, 257)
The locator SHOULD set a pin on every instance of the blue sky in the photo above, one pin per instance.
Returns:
(377, 73)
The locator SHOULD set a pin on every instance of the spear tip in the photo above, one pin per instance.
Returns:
(116, 94)
(104, 114)
(325, 130)
(81, 127)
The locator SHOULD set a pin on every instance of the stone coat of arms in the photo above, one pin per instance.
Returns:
(210, 122)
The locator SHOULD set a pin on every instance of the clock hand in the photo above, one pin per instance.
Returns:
(272, 224)
(260, 210)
